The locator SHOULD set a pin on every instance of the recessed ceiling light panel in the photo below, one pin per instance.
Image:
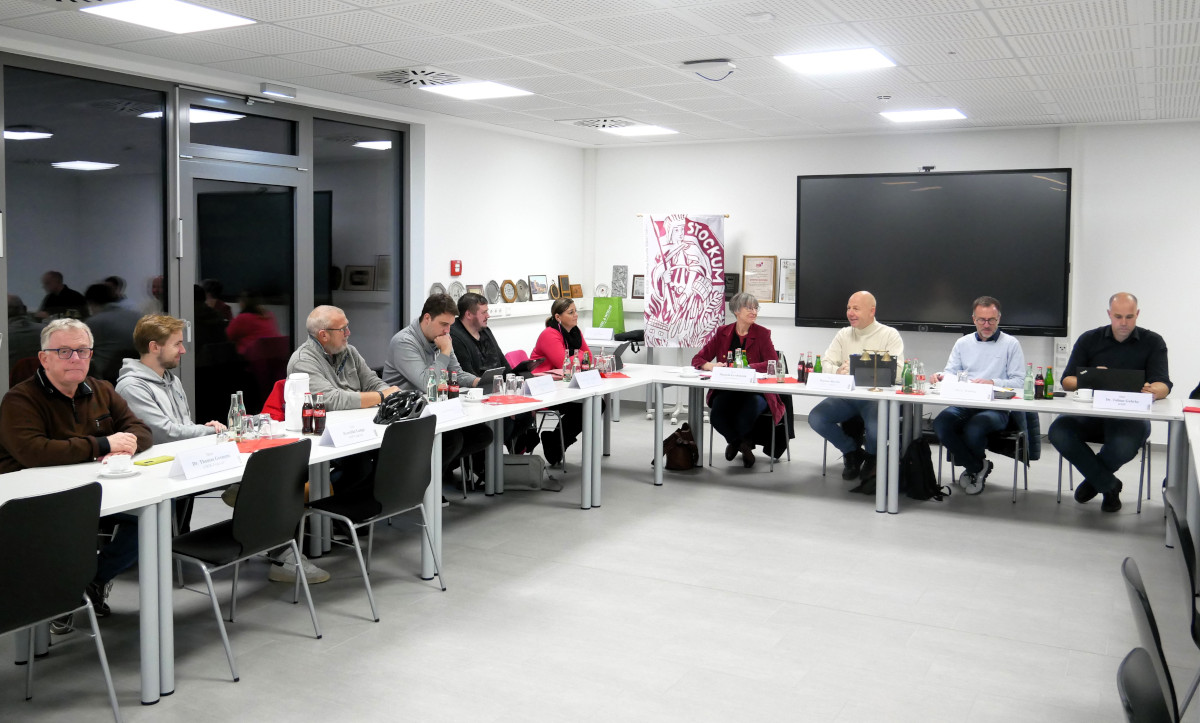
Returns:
(837, 61)
(172, 16)
(639, 130)
(480, 90)
(917, 116)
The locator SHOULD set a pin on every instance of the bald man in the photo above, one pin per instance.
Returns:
(864, 333)
(1121, 344)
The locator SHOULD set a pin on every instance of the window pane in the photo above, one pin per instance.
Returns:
(237, 129)
(88, 226)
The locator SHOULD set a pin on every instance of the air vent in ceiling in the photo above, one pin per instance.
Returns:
(601, 123)
(414, 77)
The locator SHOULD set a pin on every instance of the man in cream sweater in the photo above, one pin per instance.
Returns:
(864, 333)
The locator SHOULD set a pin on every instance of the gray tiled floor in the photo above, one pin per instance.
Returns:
(725, 594)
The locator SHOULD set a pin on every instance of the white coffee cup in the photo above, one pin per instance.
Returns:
(118, 463)
(474, 394)
(1083, 395)
(688, 372)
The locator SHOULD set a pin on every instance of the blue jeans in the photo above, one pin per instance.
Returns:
(733, 414)
(121, 552)
(826, 418)
(1122, 439)
(963, 432)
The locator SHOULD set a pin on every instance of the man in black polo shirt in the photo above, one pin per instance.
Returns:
(477, 351)
(1120, 345)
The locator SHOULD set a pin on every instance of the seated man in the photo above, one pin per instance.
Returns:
(864, 333)
(989, 356)
(423, 345)
(1122, 344)
(336, 370)
(63, 416)
(477, 351)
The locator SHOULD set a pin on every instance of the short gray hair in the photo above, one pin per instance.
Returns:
(742, 300)
(66, 325)
(320, 318)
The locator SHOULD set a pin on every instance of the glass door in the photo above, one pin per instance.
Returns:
(251, 287)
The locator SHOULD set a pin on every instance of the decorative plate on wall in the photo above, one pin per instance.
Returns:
(554, 292)
(492, 292)
(456, 290)
(601, 289)
(508, 291)
(437, 288)
(522, 290)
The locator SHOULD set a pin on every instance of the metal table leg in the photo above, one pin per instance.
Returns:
(608, 419)
(657, 392)
(433, 511)
(494, 461)
(585, 488)
(166, 609)
(893, 459)
(696, 418)
(600, 430)
(148, 600)
(882, 414)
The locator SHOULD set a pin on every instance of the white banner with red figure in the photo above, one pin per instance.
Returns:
(685, 279)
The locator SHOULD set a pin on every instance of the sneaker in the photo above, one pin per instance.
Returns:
(1084, 492)
(229, 496)
(1112, 500)
(853, 461)
(63, 625)
(98, 594)
(970, 483)
(284, 569)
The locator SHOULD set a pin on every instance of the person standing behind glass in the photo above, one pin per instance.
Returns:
(562, 336)
(733, 413)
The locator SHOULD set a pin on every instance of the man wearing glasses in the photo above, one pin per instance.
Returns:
(334, 367)
(989, 356)
(63, 416)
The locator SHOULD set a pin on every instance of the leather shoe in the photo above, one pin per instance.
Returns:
(731, 451)
(747, 451)
(853, 461)
(1112, 500)
(1084, 492)
(551, 449)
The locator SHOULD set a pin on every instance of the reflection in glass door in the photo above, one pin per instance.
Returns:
(244, 296)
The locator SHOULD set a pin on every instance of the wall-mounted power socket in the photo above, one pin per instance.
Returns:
(1060, 346)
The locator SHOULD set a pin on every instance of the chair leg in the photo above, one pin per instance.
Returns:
(1060, 461)
(212, 595)
(562, 444)
(362, 565)
(1142, 479)
(175, 533)
(29, 665)
(1187, 699)
(312, 611)
(437, 564)
(824, 457)
(112, 693)
(771, 454)
(710, 443)
(237, 566)
(463, 470)
(370, 544)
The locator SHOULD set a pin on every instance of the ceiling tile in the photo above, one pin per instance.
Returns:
(357, 28)
(968, 71)
(1083, 41)
(84, 27)
(21, 8)
(1177, 74)
(597, 98)
(879, 9)
(957, 51)
(1061, 17)
(982, 86)
(1090, 80)
(532, 39)
(586, 61)
(344, 83)
(691, 89)
(636, 77)
(642, 27)
(703, 105)
(877, 78)
(269, 67)
(1179, 107)
(267, 39)
(677, 51)
(456, 16)
(1166, 11)
(927, 29)
(571, 9)
(433, 51)
(731, 17)
(497, 68)
(346, 59)
(560, 83)
(186, 49)
(1177, 56)
(1083, 63)
(274, 10)
(806, 40)
(1177, 34)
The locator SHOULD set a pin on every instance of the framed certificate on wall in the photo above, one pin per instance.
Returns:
(787, 281)
(758, 277)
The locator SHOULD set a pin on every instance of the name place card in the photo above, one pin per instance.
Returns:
(734, 374)
(586, 380)
(539, 386)
(1129, 401)
(350, 431)
(831, 382)
(206, 460)
(966, 391)
(446, 411)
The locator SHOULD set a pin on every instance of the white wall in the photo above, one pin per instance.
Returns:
(1134, 229)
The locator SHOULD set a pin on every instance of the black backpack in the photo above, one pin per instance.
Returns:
(916, 473)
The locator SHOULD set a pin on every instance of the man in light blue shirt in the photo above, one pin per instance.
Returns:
(989, 356)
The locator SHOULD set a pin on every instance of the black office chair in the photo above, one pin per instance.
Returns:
(766, 433)
(1141, 694)
(1187, 561)
(1144, 472)
(1020, 440)
(401, 477)
(270, 504)
(51, 541)
(1143, 617)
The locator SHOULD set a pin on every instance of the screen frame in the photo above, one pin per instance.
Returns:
(951, 327)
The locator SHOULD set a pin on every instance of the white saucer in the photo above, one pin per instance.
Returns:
(1077, 400)
(688, 376)
(120, 475)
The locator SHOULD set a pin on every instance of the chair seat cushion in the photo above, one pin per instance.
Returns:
(213, 544)
(357, 510)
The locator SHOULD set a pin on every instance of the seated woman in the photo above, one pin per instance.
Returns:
(560, 338)
(733, 413)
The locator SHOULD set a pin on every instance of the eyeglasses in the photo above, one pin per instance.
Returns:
(345, 329)
(986, 322)
(65, 352)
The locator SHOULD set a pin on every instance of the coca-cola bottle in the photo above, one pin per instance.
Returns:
(810, 367)
(318, 416)
(306, 413)
(1039, 385)
(454, 388)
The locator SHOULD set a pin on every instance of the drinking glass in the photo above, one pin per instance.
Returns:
(963, 377)
(498, 385)
(772, 368)
(516, 382)
(250, 426)
(264, 426)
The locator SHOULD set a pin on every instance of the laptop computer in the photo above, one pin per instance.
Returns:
(526, 367)
(485, 379)
(1111, 380)
(617, 363)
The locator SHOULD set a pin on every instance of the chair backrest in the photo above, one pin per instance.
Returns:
(1141, 695)
(402, 472)
(516, 356)
(1143, 617)
(1186, 557)
(271, 499)
(51, 544)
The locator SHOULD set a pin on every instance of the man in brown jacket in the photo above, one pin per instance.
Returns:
(62, 416)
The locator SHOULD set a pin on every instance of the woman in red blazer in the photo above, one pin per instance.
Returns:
(733, 413)
(562, 336)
